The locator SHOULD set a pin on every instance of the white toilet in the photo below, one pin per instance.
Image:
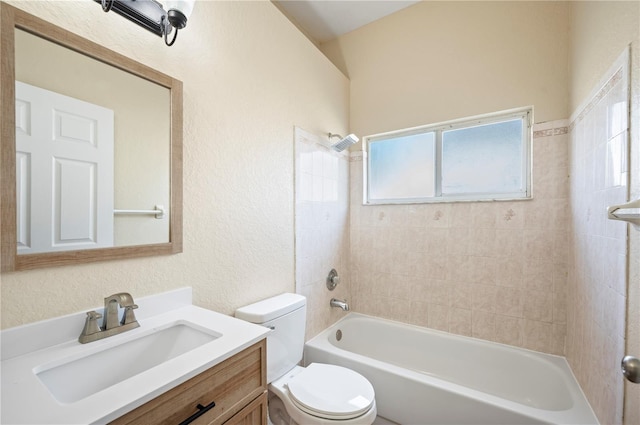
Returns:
(317, 394)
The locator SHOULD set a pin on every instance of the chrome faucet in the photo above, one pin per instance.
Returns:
(339, 303)
(111, 324)
(111, 304)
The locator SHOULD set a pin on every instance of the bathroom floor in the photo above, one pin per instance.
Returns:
(382, 421)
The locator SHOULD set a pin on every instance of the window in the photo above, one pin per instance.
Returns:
(479, 158)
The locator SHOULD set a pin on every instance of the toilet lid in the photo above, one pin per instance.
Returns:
(331, 392)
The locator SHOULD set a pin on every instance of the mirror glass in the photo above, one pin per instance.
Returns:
(138, 172)
(97, 152)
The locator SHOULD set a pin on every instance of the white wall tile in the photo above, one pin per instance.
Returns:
(321, 228)
(596, 267)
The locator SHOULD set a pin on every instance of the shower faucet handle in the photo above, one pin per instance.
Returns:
(333, 280)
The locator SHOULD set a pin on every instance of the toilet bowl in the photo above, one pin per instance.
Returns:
(326, 394)
(313, 395)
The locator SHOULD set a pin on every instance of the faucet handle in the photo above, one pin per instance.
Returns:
(91, 323)
(129, 316)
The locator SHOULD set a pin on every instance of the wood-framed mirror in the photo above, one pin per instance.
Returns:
(90, 215)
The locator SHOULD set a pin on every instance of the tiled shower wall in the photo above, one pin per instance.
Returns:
(597, 277)
(321, 226)
(491, 270)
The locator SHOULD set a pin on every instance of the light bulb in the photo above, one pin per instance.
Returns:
(178, 12)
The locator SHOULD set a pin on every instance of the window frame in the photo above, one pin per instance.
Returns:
(525, 114)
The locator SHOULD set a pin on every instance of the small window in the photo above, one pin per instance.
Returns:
(480, 158)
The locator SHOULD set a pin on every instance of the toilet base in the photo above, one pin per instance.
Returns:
(277, 413)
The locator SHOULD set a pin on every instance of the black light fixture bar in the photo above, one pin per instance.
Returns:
(146, 13)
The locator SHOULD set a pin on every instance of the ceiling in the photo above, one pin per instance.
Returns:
(324, 20)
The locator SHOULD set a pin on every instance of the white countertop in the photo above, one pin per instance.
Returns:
(26, 400)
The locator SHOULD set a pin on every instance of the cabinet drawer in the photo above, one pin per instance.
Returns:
(231, 385)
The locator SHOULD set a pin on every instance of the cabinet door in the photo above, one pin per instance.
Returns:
(255, 413)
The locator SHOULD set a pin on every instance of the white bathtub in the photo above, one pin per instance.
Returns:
(422, 376)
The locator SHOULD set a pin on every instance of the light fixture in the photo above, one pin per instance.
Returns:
(151, 15)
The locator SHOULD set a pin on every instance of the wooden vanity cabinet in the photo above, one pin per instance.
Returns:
(237, 387)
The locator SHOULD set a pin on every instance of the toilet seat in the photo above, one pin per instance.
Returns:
(331, 392)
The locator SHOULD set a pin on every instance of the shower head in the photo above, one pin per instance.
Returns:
(344, 142)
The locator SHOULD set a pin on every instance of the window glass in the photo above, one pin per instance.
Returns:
(402, 167)
(479, 158)
(483, 159)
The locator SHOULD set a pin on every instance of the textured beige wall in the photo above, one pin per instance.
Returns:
(249, 76)
(437, 61)
(600, 30)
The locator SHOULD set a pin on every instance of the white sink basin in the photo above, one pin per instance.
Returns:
(84, 376)
(44, 365)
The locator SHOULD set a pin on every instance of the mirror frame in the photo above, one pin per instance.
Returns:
(12, 18)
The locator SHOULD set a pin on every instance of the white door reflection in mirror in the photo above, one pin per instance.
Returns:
(64, 172)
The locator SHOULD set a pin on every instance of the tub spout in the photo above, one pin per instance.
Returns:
(339, 303)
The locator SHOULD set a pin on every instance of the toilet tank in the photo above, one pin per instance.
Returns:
(285, 315)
